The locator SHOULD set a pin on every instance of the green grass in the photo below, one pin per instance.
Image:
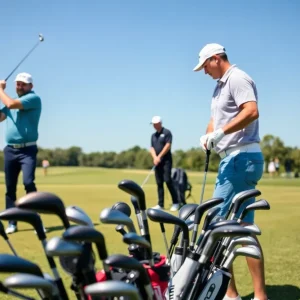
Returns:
(95, 189)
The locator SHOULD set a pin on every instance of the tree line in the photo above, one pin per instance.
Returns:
(140, 158)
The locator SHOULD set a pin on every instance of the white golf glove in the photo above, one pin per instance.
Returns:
(210, 140)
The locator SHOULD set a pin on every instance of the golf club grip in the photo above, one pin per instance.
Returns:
(207, 160)
(61, 288)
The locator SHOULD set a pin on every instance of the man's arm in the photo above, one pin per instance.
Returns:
(210, 126)
(248, 113)
(152, 152)
(164, 151)
(9, 102)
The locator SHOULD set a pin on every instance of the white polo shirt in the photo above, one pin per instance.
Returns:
(233, 89)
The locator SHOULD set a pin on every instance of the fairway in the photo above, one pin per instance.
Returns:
(93, 189)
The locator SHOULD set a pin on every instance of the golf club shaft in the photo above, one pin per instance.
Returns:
(23, 60)
(12, 248)
(148, 176)
(205, 174)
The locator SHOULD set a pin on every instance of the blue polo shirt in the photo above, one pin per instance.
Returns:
(22, 124)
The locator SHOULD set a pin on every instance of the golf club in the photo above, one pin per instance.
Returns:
(205, 175)
(41, 39)
(148, 176)
(77, 215)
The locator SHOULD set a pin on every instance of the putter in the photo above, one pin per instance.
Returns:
(41, 39)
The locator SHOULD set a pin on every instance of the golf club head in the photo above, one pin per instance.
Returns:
(112, 289)
(29, 281)
(77, 215)
(187, 210)
(135, 190)
(87, 234)
(159, 216)
(44, 203)
(122, 207)
(135, 204)
(41, 37)
(241, 197)
(244, 240)
(112, 216)
(258, 205)
(128, 263)
(211, 214)
(133, 238)
(27, 216)
(56, 246)
(217, 233)
(249, 251)
(254, 229)
(15, 264)
(202, 208)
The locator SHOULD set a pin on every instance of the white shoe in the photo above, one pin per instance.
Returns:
(228, 298)
(11, 229)
(158, 207)
(174, 207)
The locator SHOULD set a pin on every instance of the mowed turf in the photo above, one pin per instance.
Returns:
(93, 189)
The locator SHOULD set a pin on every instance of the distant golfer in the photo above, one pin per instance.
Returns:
(21, 117)
(160, 150)
(45, 165)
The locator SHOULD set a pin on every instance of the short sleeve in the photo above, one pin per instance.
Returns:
(168, 137)
(30, 101)
(242, 90)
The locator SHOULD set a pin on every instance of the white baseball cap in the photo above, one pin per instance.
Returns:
(156, 119)
(24, 77)
(208, 51)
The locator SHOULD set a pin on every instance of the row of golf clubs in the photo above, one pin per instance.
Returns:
(74, 244)
(44, 202)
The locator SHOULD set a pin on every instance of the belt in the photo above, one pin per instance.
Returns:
(250, 148)
(17, 146)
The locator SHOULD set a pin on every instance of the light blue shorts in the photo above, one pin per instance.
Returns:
(236, 174)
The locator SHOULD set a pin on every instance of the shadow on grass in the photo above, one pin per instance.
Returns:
(280, 292)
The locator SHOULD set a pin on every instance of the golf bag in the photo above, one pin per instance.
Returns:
(159, 275)
(181, 184)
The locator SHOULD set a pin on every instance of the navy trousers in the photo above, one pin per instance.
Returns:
(163, 174)
(16, 160)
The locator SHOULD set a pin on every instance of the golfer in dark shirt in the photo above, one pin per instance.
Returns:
(160, 150)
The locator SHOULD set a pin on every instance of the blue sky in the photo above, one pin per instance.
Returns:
(106, 67)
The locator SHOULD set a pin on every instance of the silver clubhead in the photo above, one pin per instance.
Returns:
(28, 281)
(244, 240)
(113, 289)
(112, 216)
(249, 251)
(77, 215)
(59, 247)
(254, 228)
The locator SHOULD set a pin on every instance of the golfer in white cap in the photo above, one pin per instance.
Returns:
(233, 132)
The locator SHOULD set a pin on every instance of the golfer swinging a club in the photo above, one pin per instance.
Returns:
(233, 132)
(22, 117)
